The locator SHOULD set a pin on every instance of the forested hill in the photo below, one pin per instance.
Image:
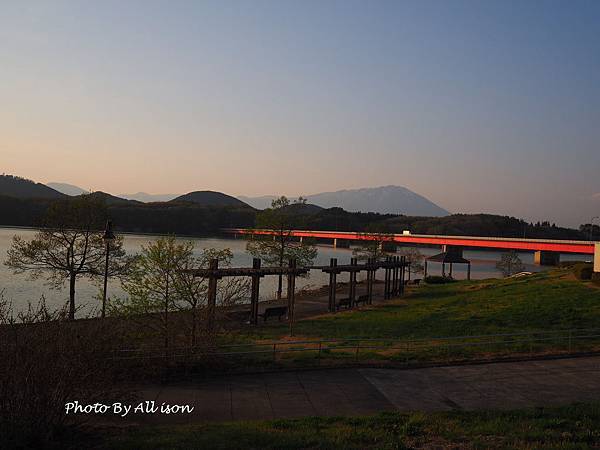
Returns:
(18, 187)
(188, 218)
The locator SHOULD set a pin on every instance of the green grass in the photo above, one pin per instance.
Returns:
(539, 302)
(547, 301)
(571, 427)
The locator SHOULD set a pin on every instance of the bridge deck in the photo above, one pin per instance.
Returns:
(527, 244)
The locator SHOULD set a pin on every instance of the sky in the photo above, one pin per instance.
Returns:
(481, 106)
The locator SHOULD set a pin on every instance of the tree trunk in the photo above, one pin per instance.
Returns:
(72, 296)
(280, 287)
(166, 318)
(193, 326)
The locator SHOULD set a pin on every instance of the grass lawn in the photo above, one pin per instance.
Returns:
(571, 427)
(544, 301)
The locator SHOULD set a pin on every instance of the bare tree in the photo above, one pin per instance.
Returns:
(372, 244)
(415, 258)
(510, 264)
(68, 246)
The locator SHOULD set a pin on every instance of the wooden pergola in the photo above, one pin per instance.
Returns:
(395, 270)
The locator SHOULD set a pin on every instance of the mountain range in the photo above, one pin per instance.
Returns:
(383, 200)
(24, 202)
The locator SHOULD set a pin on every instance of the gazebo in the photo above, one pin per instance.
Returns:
(450, 256)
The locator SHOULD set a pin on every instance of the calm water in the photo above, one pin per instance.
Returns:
(20, 289)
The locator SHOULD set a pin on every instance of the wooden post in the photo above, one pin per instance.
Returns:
(425, 269)
(403, 273)
(332, 284)
(450, 270)
(370, 277)
(291, 292)
(255, 292)
(396, 289)
(212, 294)
(469, 271)
(386, 282)
(352, 283)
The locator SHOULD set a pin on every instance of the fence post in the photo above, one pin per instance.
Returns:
(352, 282)
(212, 293)
(332, 284)
(255, 291)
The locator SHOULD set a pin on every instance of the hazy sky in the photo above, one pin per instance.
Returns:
(481, 106)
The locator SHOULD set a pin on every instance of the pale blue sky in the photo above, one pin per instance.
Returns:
(489, 106)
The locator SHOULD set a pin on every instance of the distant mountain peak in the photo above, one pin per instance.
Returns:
(389, 199)
(68, 189)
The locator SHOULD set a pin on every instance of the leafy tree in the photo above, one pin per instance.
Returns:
(278, 248)
(162, 281)
(68, 246)
(150, 284)
(510, 264)
(192, 292)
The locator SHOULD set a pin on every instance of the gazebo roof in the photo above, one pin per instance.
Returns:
(448, 257)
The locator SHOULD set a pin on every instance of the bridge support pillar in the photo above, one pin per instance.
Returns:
(341, 243)
(597, 257)
(545, 258)
(388, 246)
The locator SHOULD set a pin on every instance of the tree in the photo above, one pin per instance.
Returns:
(373, 244)
(280, 246)
(162, 281)
(415, 258)
(68, 246)
(510, 264)
(150, 284)
(192, 291)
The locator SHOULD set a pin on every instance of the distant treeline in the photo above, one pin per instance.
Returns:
(188, 218)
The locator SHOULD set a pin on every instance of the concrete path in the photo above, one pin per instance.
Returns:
(369, 391)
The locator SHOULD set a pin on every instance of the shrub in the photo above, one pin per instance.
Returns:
(46, 362)
(436, 279)
(596, 278)
(583, 271)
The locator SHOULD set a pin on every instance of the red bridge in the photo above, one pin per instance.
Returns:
(543, 247)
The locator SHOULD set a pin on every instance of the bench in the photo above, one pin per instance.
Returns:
(364, 299)
(344, 302)
(275, 311)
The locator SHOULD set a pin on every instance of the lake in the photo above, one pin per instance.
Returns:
(20, 289)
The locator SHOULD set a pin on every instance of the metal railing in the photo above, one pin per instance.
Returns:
(527, 343)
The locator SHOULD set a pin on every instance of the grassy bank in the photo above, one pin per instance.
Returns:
(542, 301)
(546, 301)
(565, 427)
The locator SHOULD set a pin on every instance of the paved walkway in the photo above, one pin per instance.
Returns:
(368, 391)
